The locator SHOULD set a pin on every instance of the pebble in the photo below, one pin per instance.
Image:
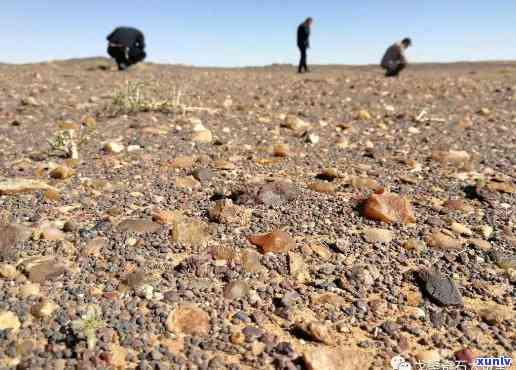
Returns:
(202, 137)
(114, 147)
(44, 309)
(428, 357)
(191, 232)
(203, 174)
(439, 240)
(9, 320)
(328, 358)
(387, 207)
(225, 212)
(188, 320)
(374, 235)
(62, 172)
(44, 269)
(441, 288)
(18, 186)
(323, 187)
(138, 226)
(236, 290)
(274, 242)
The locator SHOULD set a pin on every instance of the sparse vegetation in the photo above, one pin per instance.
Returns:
(88, 325)
(134, 97)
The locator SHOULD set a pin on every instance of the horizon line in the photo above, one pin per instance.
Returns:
(93, 58)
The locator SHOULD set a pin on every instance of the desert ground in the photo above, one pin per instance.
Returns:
(172, 217)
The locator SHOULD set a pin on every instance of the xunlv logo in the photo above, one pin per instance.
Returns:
(493, 361)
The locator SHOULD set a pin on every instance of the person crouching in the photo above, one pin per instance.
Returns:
(394, 60)
(127, 46)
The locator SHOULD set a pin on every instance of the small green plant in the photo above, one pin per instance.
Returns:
(64, 143)
(134, 98)
(89, 324)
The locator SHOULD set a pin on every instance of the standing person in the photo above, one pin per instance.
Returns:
(303, 42)
(126, 45)
(394, 60)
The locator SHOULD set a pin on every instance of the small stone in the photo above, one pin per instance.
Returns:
(457, 205)
(312, 138)
(329, 358)
(502, 187)
(62, 172)
(504, 260)
(440, 288)
(138, 226)
(225, 212)
(329, 174)
(317, 331)
(481, 243)
(44, 309)
(415, 245)
(460, 229)
(30, 101)
(274, 242)
(236, 290)
(428, 357)
(281, 150)
(295, 123)
(167, 217)
(89, 122)
(52, 234)
(297, 268)
(365, 183)
(135, 279)
(374, 235)
(44, 269)
(496, 314)
(486, 231)
(114, 147)
(453, 157)
(203, 174)
(465, 356)
(182, 162)
(224, 165)
(187, 182)
(70, 226)
(191, 232)
(439, 240)
(203, 137)
(18, 186)
(94, 247)
(484, 111)
(11, 236)
(323, 187)
(389, 208)
(364, 115)
(8, 272)
(188, 320)
(29, 290)
(9, 320)
(251, 261)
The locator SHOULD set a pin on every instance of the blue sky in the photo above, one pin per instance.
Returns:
(253, 32)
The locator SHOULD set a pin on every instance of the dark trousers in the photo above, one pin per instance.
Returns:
(125, 56)
(302, 61)
(394, 69)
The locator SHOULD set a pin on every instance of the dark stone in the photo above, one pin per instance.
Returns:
(440, 288)
(203, 174)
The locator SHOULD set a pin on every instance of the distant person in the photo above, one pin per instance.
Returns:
(394, 60)
(126, 46)
(303, 42)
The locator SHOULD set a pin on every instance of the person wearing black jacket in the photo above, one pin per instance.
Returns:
(394, 60)
(303, 42)
(127, 46)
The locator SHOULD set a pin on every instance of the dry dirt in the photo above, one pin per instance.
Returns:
(132, 246)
